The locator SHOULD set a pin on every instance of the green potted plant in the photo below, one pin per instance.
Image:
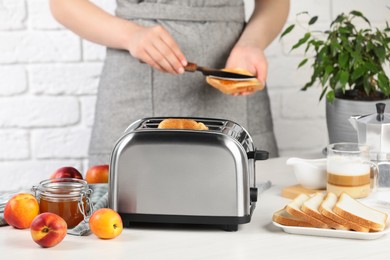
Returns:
(349, 63)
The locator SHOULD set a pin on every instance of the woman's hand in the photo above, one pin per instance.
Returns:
(156, 47)
(251, 58)
(264, 25)
(152, 45)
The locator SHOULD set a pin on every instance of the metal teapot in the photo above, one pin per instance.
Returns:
(374, 130)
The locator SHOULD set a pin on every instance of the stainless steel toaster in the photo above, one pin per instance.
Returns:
(184, 176)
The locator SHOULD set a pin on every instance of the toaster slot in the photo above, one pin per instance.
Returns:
(151, 123)
(213, 125)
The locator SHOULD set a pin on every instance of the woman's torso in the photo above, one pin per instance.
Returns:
(130, 90)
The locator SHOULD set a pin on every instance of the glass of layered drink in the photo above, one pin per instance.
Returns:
(349, 170)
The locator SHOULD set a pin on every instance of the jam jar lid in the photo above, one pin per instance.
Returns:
(62, 187)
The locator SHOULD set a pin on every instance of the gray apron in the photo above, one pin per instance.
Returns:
(206, 31)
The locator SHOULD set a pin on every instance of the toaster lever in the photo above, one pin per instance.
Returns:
(253, 194)
(258, 155)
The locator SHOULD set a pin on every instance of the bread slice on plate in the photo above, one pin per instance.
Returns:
(311, 207)
(284, 218)
(349, 208)
(326, 209)
(294, 208)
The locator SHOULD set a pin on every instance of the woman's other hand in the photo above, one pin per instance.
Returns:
(264, 25)
(156, 47)
(251, 58)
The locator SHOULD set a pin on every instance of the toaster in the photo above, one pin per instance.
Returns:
(184, 176)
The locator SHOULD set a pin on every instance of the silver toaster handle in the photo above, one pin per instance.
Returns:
(256, 155)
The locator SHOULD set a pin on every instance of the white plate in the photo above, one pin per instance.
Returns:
(332, 232)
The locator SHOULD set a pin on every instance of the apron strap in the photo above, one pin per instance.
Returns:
(157, 11)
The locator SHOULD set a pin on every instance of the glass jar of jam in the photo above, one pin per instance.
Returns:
(67, 197)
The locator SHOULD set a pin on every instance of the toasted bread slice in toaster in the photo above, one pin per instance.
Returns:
(181, 123)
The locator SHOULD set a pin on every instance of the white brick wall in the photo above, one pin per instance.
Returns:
(72, 79)
(49, 80)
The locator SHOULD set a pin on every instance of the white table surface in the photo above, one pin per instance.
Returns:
(258, 239)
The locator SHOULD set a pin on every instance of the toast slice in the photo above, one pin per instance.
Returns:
(349, 208)
(235, 86)
(294, 208)
(326, 209)
(311, 207)
(284, 218)
(181, 123)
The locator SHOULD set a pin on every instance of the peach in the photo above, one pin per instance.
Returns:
(66, 172)
(20, 210)
(97, 174)
(105, 223)
(48, 229)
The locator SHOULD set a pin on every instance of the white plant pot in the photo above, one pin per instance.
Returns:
(338, 113)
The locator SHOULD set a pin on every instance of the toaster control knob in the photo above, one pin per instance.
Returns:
(253, 194)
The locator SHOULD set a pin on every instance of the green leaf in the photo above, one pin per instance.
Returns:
(303, 62)
(330, 96)
(335, 47)
(313, 20)
(383, 82)
(308, 46)
(359, 14)
(356, 13)
(323, 92)
(344, 77)
(372, 67)
(357, 58)
(350, 27)
(339, 19)
(302, 41)
(322, 55)
(317, 44)
(334, 79)
(343, 59)
(387, 29)
(380, 52)
(311, 82)
(358, 72)
(369, 45)
(367, 86)
(345, 30)
(288, 30)
(359, 42)
(328, 70)
(346, 43)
